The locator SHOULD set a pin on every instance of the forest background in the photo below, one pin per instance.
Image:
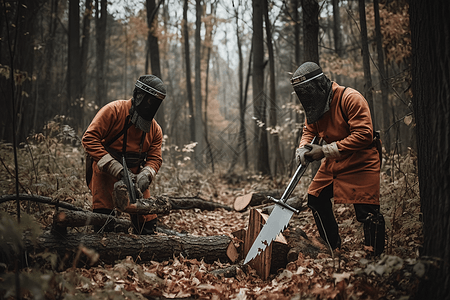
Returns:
(229, 108)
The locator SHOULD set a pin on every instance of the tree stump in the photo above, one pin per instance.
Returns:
(264, 263)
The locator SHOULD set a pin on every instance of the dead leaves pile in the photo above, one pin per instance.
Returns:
(347, 275)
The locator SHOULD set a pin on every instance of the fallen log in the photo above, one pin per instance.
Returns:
(113, 246)
(299, 242)
(253, 199)
(66, 218)
(157, 205)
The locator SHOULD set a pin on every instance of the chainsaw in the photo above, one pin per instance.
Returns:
(280, 216)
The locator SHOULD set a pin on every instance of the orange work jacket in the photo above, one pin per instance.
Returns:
(356, 173)
(107, 123)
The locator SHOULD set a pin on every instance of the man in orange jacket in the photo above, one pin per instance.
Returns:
(350, 172)
(126, 128)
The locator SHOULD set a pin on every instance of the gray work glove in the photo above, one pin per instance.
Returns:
(110, 165)
(300, 154)
(144, 178)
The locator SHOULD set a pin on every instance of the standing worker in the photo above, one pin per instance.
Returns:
(350, 172)
(126, 127)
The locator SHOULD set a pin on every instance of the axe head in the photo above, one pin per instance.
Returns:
(276, 223)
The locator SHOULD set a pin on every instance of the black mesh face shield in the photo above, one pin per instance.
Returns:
(149, 92)
(313, 90)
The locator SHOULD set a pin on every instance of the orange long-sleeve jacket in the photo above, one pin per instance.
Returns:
(355, 171)
(107, 123)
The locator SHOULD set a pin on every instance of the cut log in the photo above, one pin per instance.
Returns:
(113, 246)
(253, 199)
(264, 263)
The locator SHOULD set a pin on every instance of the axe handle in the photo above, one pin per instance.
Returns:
(296, 178)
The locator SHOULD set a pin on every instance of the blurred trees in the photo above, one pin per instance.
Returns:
(134, 37)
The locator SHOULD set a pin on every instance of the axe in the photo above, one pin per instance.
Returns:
(280, 216)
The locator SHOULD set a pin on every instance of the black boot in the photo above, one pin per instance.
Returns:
(324, 217)
(105, 227)
(373, 226)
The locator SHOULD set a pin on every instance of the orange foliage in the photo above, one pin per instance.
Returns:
(395, 30)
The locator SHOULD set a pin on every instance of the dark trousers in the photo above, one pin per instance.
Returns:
(368, 214)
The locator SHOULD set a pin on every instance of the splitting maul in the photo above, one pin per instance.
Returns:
(280, 216)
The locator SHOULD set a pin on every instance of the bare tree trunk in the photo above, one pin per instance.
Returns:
(299, 120)
(430, 30)
(337, 29)
(208, 44)
(385, 123)
(100, 27)
(153, 52)
(259, 98)
(50, 109)
(199, 149)
(311, 44)
(85, 41)
(242, 105)
(188, 71)
(74, 68)
(366, 61)
(311, 30)
(279, 161)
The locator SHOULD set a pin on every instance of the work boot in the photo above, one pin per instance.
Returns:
(374, 233)
(322, 210)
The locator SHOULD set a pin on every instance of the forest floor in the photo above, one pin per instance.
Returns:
(50, 168)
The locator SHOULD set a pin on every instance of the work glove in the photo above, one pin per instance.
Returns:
(300, 155)
(316, 153)
(144, 178)
(111, 166)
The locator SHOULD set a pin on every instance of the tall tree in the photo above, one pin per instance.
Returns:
(74, 68)
(366, 60)
(100, 57)
(242, 100)
(18, 27)
(383, 77)
(153, 52)
(430, 31)
(210, 28)
(311, 43)
(85, 41)
(259, 97)
(337, 29)
(48, 76)
(279, 162)
(311, 30)
(188, 71)
(198, 84)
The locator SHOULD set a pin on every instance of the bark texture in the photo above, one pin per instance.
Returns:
(430, 32)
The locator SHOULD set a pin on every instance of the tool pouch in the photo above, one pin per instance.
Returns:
(377, 143)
